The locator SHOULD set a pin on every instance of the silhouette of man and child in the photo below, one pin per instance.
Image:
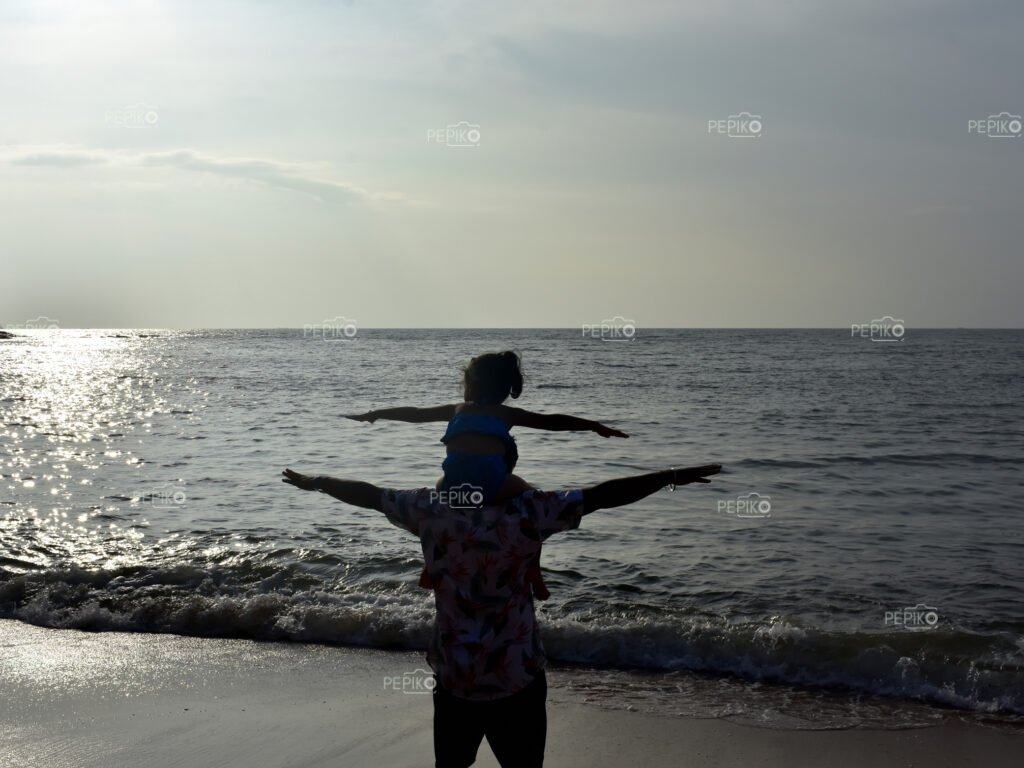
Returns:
(481, 530)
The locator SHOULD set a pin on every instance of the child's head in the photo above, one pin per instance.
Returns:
(489, 379)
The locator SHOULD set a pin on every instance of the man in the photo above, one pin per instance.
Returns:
(486, 651)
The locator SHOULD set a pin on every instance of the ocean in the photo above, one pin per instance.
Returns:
(859, 562)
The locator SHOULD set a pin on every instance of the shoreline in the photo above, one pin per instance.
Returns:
(114, 699)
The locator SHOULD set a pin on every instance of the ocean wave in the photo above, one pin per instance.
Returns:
(291, 602)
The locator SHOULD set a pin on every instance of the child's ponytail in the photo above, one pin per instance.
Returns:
(515, 373)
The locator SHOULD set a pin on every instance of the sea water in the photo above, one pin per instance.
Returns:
(860, 557)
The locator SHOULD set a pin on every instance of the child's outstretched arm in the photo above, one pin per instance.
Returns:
(557, 422)
(414, 415)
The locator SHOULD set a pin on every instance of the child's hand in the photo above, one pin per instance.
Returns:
(604, 431)
(299, 480)
(368, 416)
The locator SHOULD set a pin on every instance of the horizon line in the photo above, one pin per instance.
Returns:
(639, 329)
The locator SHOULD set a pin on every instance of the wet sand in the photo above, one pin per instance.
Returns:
(84, 700)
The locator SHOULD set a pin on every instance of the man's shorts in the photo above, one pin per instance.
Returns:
(515, 727)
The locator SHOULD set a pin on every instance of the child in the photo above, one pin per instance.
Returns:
(480, 450)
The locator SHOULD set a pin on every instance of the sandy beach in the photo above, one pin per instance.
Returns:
(79, 699)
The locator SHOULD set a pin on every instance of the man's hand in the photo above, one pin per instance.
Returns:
(305, 482)
(353, 492)
(626, 490)
(604, 431)
(368, 416)
(694, 474)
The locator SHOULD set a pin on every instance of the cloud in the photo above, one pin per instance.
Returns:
(272, 173)
(57, 158)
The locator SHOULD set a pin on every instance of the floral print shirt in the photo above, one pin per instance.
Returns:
(486, 644)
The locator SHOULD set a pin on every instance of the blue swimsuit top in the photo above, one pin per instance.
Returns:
(463, 423)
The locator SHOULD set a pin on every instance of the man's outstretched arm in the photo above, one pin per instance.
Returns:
(354, 492)
(626, 490)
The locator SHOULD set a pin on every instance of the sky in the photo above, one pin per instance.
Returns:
(217, 163)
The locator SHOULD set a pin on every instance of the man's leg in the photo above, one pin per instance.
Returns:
(458, 729)
(517, 727)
